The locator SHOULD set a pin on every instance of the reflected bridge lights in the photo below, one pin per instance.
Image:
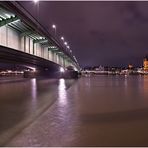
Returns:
(62, 93)
(34, 90)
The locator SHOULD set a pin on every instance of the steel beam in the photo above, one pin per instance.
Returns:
(27, 33)
(4, 22)
(40, 41)
(53, 49)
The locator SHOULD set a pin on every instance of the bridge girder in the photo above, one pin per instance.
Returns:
(40, 41)
(27, 33)
(8, 20)
(52, 48)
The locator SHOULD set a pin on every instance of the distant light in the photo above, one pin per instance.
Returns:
(62, 38)
(65, 43)
(62, 69)
(53, 26)
(31, 68)
(35, 1)
(75, 69)
(9, 71)
(68, 47)
(34, 69)
(52, 47)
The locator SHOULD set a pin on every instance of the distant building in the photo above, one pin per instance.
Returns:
(100, 68)
(130, 66)
(145, 64)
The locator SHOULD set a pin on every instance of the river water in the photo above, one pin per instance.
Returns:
(91, 111)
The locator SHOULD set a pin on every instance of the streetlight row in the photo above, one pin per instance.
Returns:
(62, 38)
(54, 27)
(65, 43)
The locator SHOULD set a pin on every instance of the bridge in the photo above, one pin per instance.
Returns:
(24, 41)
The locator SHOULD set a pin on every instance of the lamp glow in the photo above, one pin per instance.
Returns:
(35, 1)
(62, 38)
(53, 26)
(65, 43)
(62, 69)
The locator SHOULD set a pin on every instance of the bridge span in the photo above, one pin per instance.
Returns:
(24, 41)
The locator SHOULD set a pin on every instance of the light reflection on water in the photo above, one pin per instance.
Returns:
(62, 93)
(97, 111)
(34, 89)
(22, 102)
(145, 87)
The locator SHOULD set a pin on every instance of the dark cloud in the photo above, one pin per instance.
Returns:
(106, 33)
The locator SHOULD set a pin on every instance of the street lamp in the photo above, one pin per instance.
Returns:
(68, 47)
(65, 43)
(62, 38)
(54, 27)
(37, 11)
(35, 1)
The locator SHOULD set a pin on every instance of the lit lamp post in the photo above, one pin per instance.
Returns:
(68, 47)
(62, 38)
(37, 9)
(35, 1)
(54, 27)
(65, 43)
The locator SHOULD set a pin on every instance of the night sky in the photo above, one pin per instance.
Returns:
(99, 33)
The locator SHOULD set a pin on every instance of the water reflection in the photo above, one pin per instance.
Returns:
(96, 111)
(125, 81)
(33, 89)
(145, 86)
(62, 93)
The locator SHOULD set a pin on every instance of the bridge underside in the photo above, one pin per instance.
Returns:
(11, 57)
(24, 41)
